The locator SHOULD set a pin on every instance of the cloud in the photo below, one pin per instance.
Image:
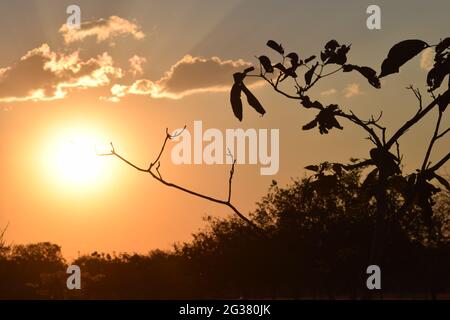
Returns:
(351, 90)
(188, 76)
(102, 29)
(44, 75)
(136, 63)
(328, 92)
(427, 59)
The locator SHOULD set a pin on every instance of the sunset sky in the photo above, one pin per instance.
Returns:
(137, 67)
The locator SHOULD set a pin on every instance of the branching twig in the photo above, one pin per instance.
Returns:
(440, 163)
(157, 176)
(418, 96)
(373, 136)
(419, 115)
(374, 122)
(443, 133)
(275, 87)
(230, 180)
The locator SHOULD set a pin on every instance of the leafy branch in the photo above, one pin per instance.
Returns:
(333, 59)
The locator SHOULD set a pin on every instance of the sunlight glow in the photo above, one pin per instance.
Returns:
(72, 160)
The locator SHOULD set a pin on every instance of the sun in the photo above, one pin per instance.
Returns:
(72, 159)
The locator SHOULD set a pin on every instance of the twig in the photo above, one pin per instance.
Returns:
(157, 176)
(433, 140)
(418, 96)
(230, 180)
(443, 133)
(399, 156)
(373, 136)
(415, 119)
(440, 163)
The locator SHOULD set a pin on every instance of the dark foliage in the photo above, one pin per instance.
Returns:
(317, 231)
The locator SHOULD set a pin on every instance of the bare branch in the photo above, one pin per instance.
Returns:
(415, 119)
(433, 140)
(373, 136)
(399, 156)
(275, 87)
(332, 72)
(168, 137)
(230, 180)
(440, 163)
(418, 96)
(443, 133)
(157, 176)
(374, 122)
(157, 170)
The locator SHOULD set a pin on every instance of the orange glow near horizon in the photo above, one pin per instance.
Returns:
(63, 102)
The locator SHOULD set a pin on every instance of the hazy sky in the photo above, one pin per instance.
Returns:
(149, 65)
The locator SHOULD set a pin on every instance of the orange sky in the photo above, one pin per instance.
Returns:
(151, 65)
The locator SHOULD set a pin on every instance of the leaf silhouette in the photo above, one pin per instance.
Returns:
(307, 103)
(253, 101)
(310, 59)
(309, 74)
(400, 54)
(280, 67)
(290, 72)
(368, 73)
(340, 56)
(235, 99)
(249, 69)
(326, 119)
(312, 168)
(332, 45)
(294, 59)
(436, 76)
(442, 181)
(444, 44)
(385, 161)
(266, 63)
(310, 125)
(441, 67)
(275, 46)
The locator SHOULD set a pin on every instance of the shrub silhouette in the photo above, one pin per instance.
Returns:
(312, 247)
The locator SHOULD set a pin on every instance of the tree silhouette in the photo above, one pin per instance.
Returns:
(339, 219)
(316, 234)
(416, 187)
